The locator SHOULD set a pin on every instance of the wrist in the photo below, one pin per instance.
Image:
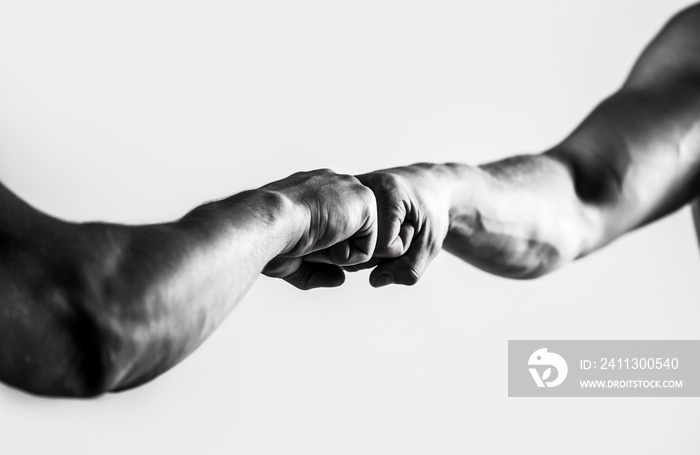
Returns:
(449, 182)
(286, 217)
(463, 184)
(525, 209)
(262, 210)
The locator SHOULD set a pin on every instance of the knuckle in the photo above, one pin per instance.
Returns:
(350, 179)
(387, 180)
(385, 186)
(321, 175)
(366, 193)
(380, 179)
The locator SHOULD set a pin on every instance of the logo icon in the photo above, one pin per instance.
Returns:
(542, 358)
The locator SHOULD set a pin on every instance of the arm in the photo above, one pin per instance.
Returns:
(89, 308)
(635, 159)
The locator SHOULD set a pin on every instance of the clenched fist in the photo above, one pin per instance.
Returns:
(413, 203)
(333, 223)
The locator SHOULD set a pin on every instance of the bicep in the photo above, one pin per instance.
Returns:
(636, 157)
(673, 55)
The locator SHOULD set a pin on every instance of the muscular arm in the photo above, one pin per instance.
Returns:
(634, 159)
(89, 308)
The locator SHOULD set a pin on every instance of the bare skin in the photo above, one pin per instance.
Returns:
(95, 307)
(634, 159)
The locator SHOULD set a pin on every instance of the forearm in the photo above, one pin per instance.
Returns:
(90, 308)
(97, 307)
(634, 159)
(167, 287)
(518, 218)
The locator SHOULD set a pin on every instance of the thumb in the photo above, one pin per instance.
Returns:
(408, 268)
(305, 275)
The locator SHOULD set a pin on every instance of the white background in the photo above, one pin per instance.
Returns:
(136, 111)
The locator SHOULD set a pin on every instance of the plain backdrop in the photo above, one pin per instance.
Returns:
(136, 111)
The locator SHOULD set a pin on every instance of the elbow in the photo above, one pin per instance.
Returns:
(594, 189)
(96, 346)
(58, 354)
(64, 343)
(79, 327)
(93, 358)
(90, 372)
(597, 178)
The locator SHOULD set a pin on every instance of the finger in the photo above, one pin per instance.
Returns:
(310, 276)
(305, 275)
(391, 213)
(407, 269)
(375, 261)
(345, 253)
(403, 241)
(281, 267)
(355, 250)
(360, 247)
(364, 242)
